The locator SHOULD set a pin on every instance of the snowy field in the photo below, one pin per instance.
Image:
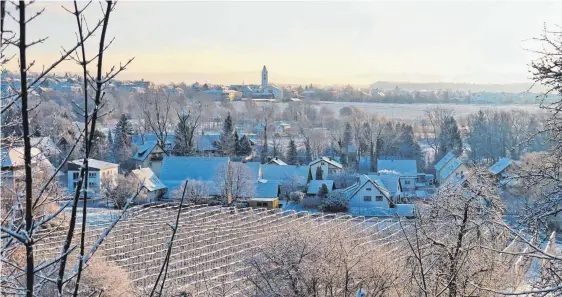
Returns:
(406, 111)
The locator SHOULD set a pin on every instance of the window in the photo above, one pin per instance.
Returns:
(91, 174)
(75, 185)
(368, 189)
(378, 198)
(367, 198)
(92, 185)
(407, 182)
(75, 175)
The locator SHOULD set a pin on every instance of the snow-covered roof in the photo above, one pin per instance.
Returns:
(315, 185)
(264, 199)
(175, 170)
(280, 173)
(500, 165)
(448, 157)
(277, 161)
(404, 167)
(364, 179)
(391, 182)
(207, 142)
(254, 168)
(450, 168)
(149, 179)
(267, 190)
(327, 160)
(96, 164)
(144, 151)
(14, 157)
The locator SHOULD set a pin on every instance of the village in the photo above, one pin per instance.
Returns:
(352, 149)
(384, 188)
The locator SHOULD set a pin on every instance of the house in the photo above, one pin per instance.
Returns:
(207, 143)
(450, 168)
(283, 174)
(502, 168)
(13, 164)
(176, 170)
(267, 195)
(276, 161)
(407, 169)
(150, 155)
(368, 194)
(391, 182)
(315, 185)
(324, 166)
(153, 188)
(369, 198)
(99, 173)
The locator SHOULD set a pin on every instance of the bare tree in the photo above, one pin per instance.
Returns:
(305, 263)
(188, 121)
(156, 111)
(119, 189)
(38, 275)
(235, 181)
(449, 238)
(436, 117)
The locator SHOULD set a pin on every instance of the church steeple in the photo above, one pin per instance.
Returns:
(264, 82)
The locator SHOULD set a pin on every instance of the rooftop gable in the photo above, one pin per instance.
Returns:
(450, 168)
(327, 160)
(144, 151)
(365, 180)
(501, 165)
(149, 179)
(448, 157)
(96, 164)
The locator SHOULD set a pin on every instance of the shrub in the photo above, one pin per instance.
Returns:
(335, 202)
(296, 197)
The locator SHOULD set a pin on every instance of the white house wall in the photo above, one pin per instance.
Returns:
(325, 169)
(408, 183)
(358, 199)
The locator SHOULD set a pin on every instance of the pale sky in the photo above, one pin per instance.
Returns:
(312, 42)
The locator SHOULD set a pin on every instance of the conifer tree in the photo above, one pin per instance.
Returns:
(319, 173)
(227, 141)
(237, 149)
(323, 191)
(185, 129)
(245, 146)
(122, 144)
(292, 154)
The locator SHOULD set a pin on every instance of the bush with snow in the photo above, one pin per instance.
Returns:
(296, 197)
(335, 202)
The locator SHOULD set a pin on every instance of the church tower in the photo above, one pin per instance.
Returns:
(264, 82)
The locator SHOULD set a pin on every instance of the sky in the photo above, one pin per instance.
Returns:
(310, 42)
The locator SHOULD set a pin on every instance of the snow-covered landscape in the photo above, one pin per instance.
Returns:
(117, 180)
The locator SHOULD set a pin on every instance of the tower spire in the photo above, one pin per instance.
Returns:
(264, 78)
